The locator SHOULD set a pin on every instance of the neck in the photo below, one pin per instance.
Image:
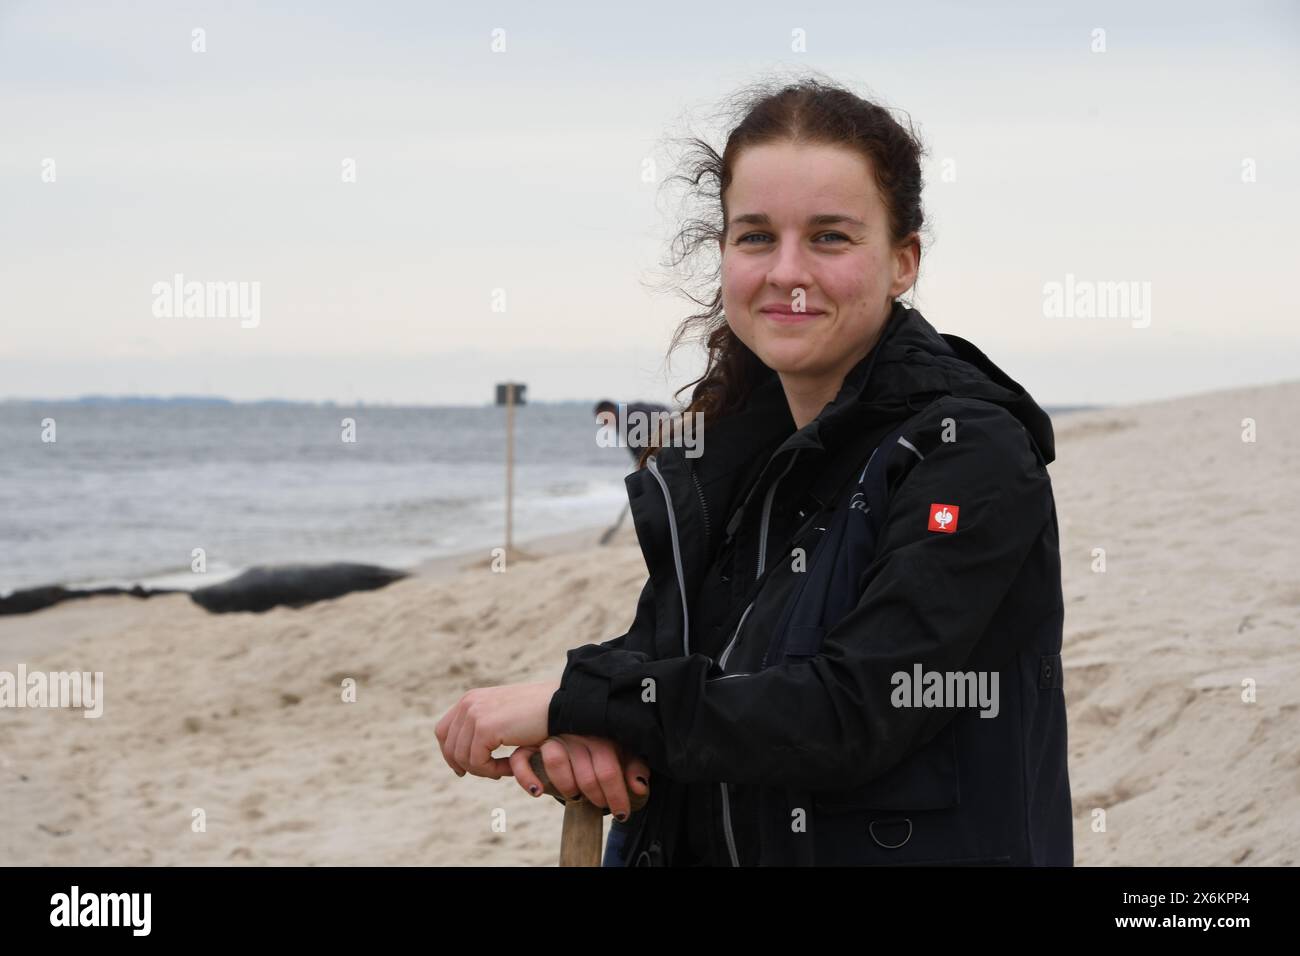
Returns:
(808, 395)
(807, 398)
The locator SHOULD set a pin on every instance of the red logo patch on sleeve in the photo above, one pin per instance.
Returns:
(943, 518)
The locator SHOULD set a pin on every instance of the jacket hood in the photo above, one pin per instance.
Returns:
(911, 365)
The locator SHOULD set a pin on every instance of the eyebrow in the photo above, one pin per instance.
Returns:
(823, 219)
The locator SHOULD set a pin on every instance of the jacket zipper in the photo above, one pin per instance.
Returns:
(677, 554)
(681, 586)
(653, 468)
(722, 661)
(767, 514)
(762, 559)
(704, 506)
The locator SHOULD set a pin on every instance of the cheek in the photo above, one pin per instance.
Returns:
(856, 279)
(740, 280)
(740, 286)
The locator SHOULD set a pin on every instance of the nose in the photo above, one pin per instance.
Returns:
(789, 268)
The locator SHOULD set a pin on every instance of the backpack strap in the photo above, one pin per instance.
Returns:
(833, 483)
(828, 589)
(873, 484)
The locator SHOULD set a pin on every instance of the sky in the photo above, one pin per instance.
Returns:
(500, 223)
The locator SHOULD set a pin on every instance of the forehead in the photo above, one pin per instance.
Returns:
(778, 178)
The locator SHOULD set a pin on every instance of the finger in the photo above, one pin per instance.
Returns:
(583, 770)
(609, 773)
(481, 761)
(523, 771)
(448, 743)
(637, 772)
(555, 758)
(440, 729)
(464, 731)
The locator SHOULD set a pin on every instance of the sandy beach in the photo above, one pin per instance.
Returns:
(241, 716)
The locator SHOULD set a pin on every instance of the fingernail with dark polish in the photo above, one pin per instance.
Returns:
(643, 781)
(621, 817)
(533, 790)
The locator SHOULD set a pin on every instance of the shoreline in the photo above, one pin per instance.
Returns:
(541, 546)
(440, 566)
(26, 637)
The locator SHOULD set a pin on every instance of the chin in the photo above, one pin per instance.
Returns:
(788, 361)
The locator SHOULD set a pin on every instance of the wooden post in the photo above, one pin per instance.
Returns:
(510, 394)
(510, 464)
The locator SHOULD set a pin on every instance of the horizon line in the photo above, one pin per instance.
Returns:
(179, 399)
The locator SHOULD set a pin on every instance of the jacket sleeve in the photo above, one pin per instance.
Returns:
(567, 707)
(826, 722)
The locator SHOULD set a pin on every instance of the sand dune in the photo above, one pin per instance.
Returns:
(242, 717)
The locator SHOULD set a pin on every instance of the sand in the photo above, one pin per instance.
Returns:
(238, 720)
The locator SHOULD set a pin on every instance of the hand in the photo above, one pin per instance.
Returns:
(594, 767)
(490, 717)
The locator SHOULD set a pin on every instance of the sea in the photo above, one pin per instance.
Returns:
(127, 490)
(99, 492)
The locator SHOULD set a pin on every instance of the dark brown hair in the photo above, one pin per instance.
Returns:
(808, 111)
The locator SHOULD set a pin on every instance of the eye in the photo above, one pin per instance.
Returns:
(744, 240)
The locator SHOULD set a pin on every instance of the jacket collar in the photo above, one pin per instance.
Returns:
(910, 365)
(765, 426)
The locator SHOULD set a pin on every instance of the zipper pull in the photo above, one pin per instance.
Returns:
(653, 855)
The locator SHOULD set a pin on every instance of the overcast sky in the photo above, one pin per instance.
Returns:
(522, 171)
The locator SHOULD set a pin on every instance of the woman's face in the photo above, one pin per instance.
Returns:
(808, 267)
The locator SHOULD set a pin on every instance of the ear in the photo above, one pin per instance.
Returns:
(907, 260)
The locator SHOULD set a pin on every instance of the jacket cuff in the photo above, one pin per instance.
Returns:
(579, 706)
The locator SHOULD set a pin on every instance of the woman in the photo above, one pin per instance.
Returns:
(848, 647)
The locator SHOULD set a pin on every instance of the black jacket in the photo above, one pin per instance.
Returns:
(964, 579)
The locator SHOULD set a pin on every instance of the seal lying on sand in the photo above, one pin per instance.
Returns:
(34, 599)
(294, 585)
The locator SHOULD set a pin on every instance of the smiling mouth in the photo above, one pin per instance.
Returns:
(791, 318)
